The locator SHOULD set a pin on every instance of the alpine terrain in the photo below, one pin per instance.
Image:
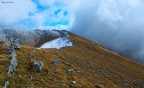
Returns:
(68, 61)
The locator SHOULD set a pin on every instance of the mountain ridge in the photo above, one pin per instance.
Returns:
(86, 63)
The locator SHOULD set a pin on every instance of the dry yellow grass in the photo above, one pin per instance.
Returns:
(92, 64)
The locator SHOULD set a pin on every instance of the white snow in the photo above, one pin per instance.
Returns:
(58, 43)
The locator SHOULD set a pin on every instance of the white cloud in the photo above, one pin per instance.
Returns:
(47, 2)
(107, 11)
(134, 3)
(14, 10)
(39, 18)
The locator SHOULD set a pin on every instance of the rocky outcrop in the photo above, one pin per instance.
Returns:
(11, 45)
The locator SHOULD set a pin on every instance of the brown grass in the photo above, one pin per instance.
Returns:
(92, 64)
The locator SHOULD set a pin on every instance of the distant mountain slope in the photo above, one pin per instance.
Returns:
(86, 63)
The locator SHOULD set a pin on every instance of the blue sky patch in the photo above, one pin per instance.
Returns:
(57, 11)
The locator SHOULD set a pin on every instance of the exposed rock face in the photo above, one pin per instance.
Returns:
(13, 63)
(11, 45)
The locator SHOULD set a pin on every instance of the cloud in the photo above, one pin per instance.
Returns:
(134, 2)
(107, 11)
(116, 24)
(29, 14)
(39, 18)
(12, 11)
(55, 16)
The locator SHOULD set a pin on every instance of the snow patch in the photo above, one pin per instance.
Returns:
(58, 43)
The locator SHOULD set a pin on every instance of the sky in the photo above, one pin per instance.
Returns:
(30, 14)
(115, 24)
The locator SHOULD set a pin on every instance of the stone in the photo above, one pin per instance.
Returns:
(33, 51)
(13, 62)
(106, 76)
(37, 66)
(63, 84)
(78, 71)
(6, 84)
(99, 86)
(16, 45)
(13, 54)
(10, 72)
(31, 77)
(73, 84)
(10, 50)
(55, 61)
(71, 70)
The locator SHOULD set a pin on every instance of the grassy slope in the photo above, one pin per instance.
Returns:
(92, 64)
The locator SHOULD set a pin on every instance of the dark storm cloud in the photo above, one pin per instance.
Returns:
(116, 24)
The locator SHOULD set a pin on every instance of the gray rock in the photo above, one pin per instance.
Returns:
(6, 84)
(13, 63)
(10, 50)
(16, 44)
(73, 84)
(33, 51)
(71, 70)
(99, 86)
(55, 61)
(13, 54)
(10, 72)
(37, 66)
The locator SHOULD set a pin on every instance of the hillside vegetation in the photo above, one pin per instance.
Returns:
(86, 63)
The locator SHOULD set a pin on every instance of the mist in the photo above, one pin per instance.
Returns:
(116, 24)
